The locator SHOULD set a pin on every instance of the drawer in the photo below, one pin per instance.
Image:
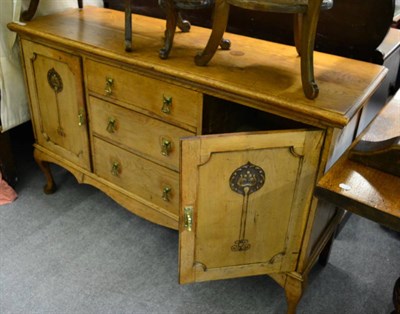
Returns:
(146, 136)
(168, 101)
(151, 182)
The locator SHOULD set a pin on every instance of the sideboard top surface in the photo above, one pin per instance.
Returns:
(258, 73)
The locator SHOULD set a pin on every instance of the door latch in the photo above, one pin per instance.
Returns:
(188, 216)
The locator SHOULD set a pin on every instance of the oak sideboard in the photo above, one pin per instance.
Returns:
(227, 154)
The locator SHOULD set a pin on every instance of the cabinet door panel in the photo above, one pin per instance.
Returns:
(57, 101)
(245, 199)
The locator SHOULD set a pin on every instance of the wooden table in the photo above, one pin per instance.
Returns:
(366, 191)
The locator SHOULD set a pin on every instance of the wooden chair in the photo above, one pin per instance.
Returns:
(306, 15)
(174, 19)
(128, 25)
(33, 5)
(366, 179)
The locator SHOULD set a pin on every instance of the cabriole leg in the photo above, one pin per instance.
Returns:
(183, 25)
(294, 288)
(220, 20)
(50, 186)
(297, 22)
(172, 20)
(308, 31)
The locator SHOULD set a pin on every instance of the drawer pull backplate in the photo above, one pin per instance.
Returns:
(115, 169)
(109, 86)
(188, 218)
(111, 125)
(166, 193)
(167, 103)
(166, 147)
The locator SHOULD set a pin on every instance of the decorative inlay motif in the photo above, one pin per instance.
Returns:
(54, 80)
(245, 180)
(56, 84)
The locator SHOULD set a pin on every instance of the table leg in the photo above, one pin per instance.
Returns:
(326, 251)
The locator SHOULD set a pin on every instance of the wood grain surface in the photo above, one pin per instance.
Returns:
(366, 191)
(254, 72)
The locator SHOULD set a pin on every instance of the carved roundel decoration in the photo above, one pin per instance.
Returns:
(54, 80)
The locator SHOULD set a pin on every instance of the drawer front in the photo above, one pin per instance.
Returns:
(168, 101)
(146, 136)
(151, 182)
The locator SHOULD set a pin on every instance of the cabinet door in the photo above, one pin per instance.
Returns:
(244, 202)
(57, 101)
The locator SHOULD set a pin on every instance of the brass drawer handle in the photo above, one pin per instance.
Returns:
(81, 117)
(115, 169)
(166, 106)
(166, 193)
(109, 86)
(188, 217)
(166, 147)
(111, 126)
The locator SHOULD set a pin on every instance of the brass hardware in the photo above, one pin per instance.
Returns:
(109, 86)
(166, 193)
(188, 215)
(111, 125)
(54, 80)
(166, 147)
(81, 117)
(167, 103)
(115, 169)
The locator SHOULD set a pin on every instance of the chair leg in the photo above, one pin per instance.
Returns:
(80, 4)
(308, 31)
(183, 25)
(172, 20)
(128, 25)
(297, 21)
(28, 14)
(220, 20)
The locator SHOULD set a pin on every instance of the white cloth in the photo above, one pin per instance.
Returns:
(13, 100)
(13, 104)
